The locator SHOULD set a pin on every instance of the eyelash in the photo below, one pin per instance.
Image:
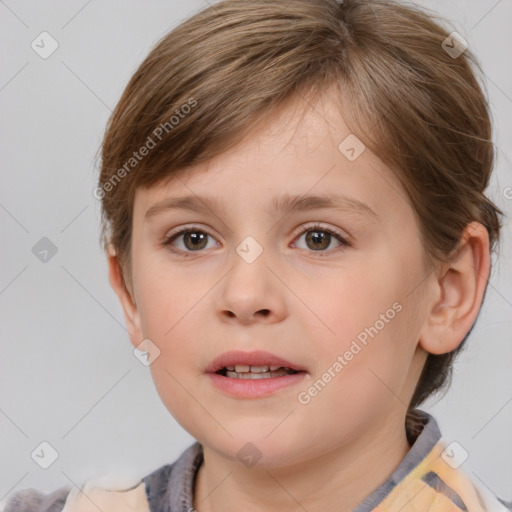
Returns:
(313, 227)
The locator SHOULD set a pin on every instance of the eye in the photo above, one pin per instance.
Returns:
(192, 240)
(319, 238)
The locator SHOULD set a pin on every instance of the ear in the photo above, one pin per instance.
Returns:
(131, 313)
(458, 293)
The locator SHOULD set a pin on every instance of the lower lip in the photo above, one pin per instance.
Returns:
(254, 388)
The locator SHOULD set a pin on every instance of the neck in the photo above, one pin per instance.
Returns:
(340, 478)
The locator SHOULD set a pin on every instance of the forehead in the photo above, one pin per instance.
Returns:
(298, 151)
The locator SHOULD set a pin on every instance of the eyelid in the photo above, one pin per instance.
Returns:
(186, 227)
(311, 226)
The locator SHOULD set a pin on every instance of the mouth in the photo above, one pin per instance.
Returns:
(252, 365)
(253, 374)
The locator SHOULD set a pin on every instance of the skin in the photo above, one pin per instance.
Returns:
(302, 303)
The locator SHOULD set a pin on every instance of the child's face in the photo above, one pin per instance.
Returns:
(305, 298)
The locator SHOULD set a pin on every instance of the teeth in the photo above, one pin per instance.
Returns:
(243, 368)
(257, 372)
(245, 371)
(250, 375)
(259, 369)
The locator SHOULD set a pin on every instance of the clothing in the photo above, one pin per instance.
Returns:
(425, 481)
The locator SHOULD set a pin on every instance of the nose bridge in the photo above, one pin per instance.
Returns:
(248, 288)
(249, 265)
(249, 249)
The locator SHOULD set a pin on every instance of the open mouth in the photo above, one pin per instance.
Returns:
(254, 372)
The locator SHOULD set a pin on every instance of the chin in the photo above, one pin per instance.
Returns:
(252, 449)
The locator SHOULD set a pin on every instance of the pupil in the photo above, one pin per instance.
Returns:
(195, 237)
(318, 237)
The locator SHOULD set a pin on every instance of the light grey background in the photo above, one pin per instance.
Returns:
(67, 372)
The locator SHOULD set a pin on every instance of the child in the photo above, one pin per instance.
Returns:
(293, 194)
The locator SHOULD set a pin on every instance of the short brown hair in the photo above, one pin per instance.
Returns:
(419, 108)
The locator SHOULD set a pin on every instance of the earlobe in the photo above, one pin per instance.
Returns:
(458, 293)
(130, 311)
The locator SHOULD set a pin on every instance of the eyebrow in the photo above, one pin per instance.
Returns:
(279, 205)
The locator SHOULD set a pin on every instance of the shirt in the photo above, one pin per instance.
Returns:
(428, 479)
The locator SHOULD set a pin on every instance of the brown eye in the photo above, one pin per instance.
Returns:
(190, 240)
(319, 239)
(195, 240)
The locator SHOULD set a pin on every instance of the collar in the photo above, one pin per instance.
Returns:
(424, 480)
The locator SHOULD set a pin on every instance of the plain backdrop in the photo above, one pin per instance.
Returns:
(68, 375)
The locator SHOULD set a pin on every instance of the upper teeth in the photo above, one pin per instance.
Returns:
(253, 369)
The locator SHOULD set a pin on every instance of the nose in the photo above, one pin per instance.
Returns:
(251, 293)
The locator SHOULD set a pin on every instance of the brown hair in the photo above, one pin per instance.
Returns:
(208, 82)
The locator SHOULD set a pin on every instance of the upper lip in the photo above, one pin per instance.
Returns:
(256, 358)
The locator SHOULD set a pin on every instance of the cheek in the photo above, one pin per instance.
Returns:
(349, 307)
(366, 337)
(380, 355)
(355, 381)
(163, 298)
